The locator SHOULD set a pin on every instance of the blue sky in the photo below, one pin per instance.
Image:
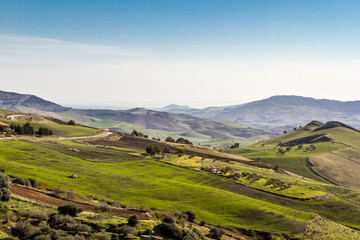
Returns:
(198, 53)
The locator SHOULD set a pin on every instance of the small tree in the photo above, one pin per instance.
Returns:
(152, 150)
(169, 139)
(71, 122)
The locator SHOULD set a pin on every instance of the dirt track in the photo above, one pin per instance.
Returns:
(42, 197)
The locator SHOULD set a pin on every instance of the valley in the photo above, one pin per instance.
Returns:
(249, 191)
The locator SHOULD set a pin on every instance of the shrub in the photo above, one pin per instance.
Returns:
(189, 235)
(22, 181)
(168, 230)
(191, 216)
(42, 237)
(126, 229)
(32, 213)
(216, 232)
(4, 181)
(133, 220)
(33, 182)
(59, 220)
(203, 223)
(4, 194)
(168, 219)
(100, 236)
(116, 204)
(70, 209)
(102, 208)
(22, 230)
(175, 212)
(71, 122)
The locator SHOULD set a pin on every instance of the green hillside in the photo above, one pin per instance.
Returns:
(244, 199)
(58, 129)
(325, 152)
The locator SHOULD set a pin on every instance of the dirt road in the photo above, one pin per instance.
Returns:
(42, 197)
(105, 134)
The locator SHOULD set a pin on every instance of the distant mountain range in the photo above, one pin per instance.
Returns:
(219, 122)
(27, 103)
(148, 119)
(280, 110)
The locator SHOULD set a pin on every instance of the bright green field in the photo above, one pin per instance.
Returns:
(295, 160)
(152, 183)
(60, 130)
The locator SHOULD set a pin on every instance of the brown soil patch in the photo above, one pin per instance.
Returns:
(43, 197)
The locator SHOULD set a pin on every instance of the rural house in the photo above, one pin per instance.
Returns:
(214, 169)
(4, 124)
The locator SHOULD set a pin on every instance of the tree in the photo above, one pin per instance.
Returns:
(28, 129)
(72, 122)
(169, 139)
(183, 141)
(152, 150)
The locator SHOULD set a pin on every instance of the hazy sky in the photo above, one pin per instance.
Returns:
(201, 52)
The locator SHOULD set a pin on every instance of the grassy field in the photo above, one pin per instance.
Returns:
(335, 160)
(340, 170)
(295, 188)
(152, 183)
(295, 160)
(60, 130)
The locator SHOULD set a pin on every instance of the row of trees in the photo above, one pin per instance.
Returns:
(179, 140)
(27, 129)
(152, 150)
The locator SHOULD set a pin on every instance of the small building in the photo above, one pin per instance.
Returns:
(214, 169)
(4, 124)
(104, 129)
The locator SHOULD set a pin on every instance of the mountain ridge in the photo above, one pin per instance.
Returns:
(284, 110)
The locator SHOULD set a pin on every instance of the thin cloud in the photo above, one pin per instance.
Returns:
(22, 48)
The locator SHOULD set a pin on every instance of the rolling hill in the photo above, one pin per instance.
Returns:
(280, 110)
(247, 201)
(171, 124)
(13, 101)
(327, 152)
